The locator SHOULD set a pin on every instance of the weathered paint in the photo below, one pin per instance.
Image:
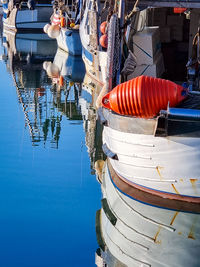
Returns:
(191, 234)
(176, 191)
(158, 169)
(174, 161)
(156, 236)
(194, 186)
(174, 217)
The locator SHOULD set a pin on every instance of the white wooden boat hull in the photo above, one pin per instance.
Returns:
(164, 164)
(143, 235)
(162, 171)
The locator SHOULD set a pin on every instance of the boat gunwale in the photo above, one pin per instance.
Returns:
(149, 126)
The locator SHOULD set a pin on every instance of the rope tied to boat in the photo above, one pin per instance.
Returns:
(134, 10)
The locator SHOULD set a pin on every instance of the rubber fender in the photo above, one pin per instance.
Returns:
(62, 22)
(144, 96)
(103, 27)
(104, 40)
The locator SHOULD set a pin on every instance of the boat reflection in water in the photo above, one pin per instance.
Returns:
(92, 127)
(64, 65)
(131, 233)
(66, 73)
(41, 99)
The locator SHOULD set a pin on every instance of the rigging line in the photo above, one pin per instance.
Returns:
(23, 105)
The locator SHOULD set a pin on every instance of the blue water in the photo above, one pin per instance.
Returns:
(48, 197)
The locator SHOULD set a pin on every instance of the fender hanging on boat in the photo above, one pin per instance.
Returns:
(144, 96)
(103, 27)
(104, 40)
(62, 22)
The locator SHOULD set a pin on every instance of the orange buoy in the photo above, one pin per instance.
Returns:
(62, 22)
(61, 81)
(179, 10)
(104, 41)
(103, 27)
(144, 96)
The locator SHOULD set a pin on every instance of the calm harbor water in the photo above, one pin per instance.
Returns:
(48, 196)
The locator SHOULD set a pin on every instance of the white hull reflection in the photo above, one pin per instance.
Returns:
(137, 234)
(30, 43)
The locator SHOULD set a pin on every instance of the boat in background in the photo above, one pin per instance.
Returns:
(135, 234)
(64, 27)
(94, 56)
(28, 16)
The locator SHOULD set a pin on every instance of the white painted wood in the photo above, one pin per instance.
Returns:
(167, 164)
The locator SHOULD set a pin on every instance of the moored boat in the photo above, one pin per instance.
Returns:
(64, 27)
(26, 16)
(164, 166)
(94, 56)
(151, 125)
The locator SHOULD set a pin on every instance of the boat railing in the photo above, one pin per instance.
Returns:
(181, 114)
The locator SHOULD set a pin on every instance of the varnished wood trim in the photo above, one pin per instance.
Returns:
(154, 197)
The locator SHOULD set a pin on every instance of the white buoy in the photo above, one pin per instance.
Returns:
(53, 31)
(46, 64)
(46, 27)
(53, 70)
